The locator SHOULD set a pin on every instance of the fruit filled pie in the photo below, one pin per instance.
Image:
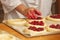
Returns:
(54, 17)
(34, 31)
(40, 22)
(54, 27)
(35, 26)
(6, 36)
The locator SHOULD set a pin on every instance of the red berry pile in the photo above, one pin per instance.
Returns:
(41, 23)
(38, 18)
(57, 26)
(57, 16)
(35, 29)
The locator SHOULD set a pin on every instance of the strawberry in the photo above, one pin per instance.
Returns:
(39, 17)
(32, 28)
(58, 26)
(57, 16)
(52, 26)
(41, 23)
(35, 29)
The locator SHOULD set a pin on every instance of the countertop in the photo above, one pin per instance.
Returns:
(46, 37)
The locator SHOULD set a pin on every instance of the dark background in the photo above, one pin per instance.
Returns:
(1, 13)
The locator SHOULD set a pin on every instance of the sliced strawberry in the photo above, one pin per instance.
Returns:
(32, 28)
(52, 16)
(39, 18)
(57, 16)
(35, 29)
(33, 22)
(41, 23)
(52, 26)
(58, 26)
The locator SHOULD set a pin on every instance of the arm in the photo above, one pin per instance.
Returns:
(21, 8)
(11, 5)
(28, 12)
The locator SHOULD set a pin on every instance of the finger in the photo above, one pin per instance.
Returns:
(37, 12)
(30, 14)
(29, 17)
(33, 13)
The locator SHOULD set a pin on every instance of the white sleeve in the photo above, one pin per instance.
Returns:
(9, 5)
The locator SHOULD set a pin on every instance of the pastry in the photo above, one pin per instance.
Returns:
(36, 22)
(54, 28)
(33, 31)
(6, 36)
(53, 17)
(15, 22)
(35, 27)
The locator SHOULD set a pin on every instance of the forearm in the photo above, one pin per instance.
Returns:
(21, 8)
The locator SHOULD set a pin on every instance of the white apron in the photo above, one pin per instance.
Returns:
(9, 7)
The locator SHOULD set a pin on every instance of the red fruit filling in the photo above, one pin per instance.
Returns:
(57, 16)
(57, 26)
(35, 29)
(41, 23)
(32, 28)
(38, 18)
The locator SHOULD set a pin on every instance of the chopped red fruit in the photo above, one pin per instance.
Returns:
(40, 29)
(35, 29)
(57, 16)
(32, 28)
(39, 18)
(52, 26)
(52, 16)
(33, 22)
(41, 23)
(57, 26)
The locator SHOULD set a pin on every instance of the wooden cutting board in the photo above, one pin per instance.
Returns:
(11, 31)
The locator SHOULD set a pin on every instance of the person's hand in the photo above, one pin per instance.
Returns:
(32, 13)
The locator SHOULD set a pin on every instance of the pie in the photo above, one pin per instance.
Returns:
(54, 17)
(6, 36)
(36, 22)
(54, 28)
(15, 22)
(35, 26)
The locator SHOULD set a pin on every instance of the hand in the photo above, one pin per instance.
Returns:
(32, 13)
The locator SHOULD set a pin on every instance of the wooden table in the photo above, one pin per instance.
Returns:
(11, 31)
